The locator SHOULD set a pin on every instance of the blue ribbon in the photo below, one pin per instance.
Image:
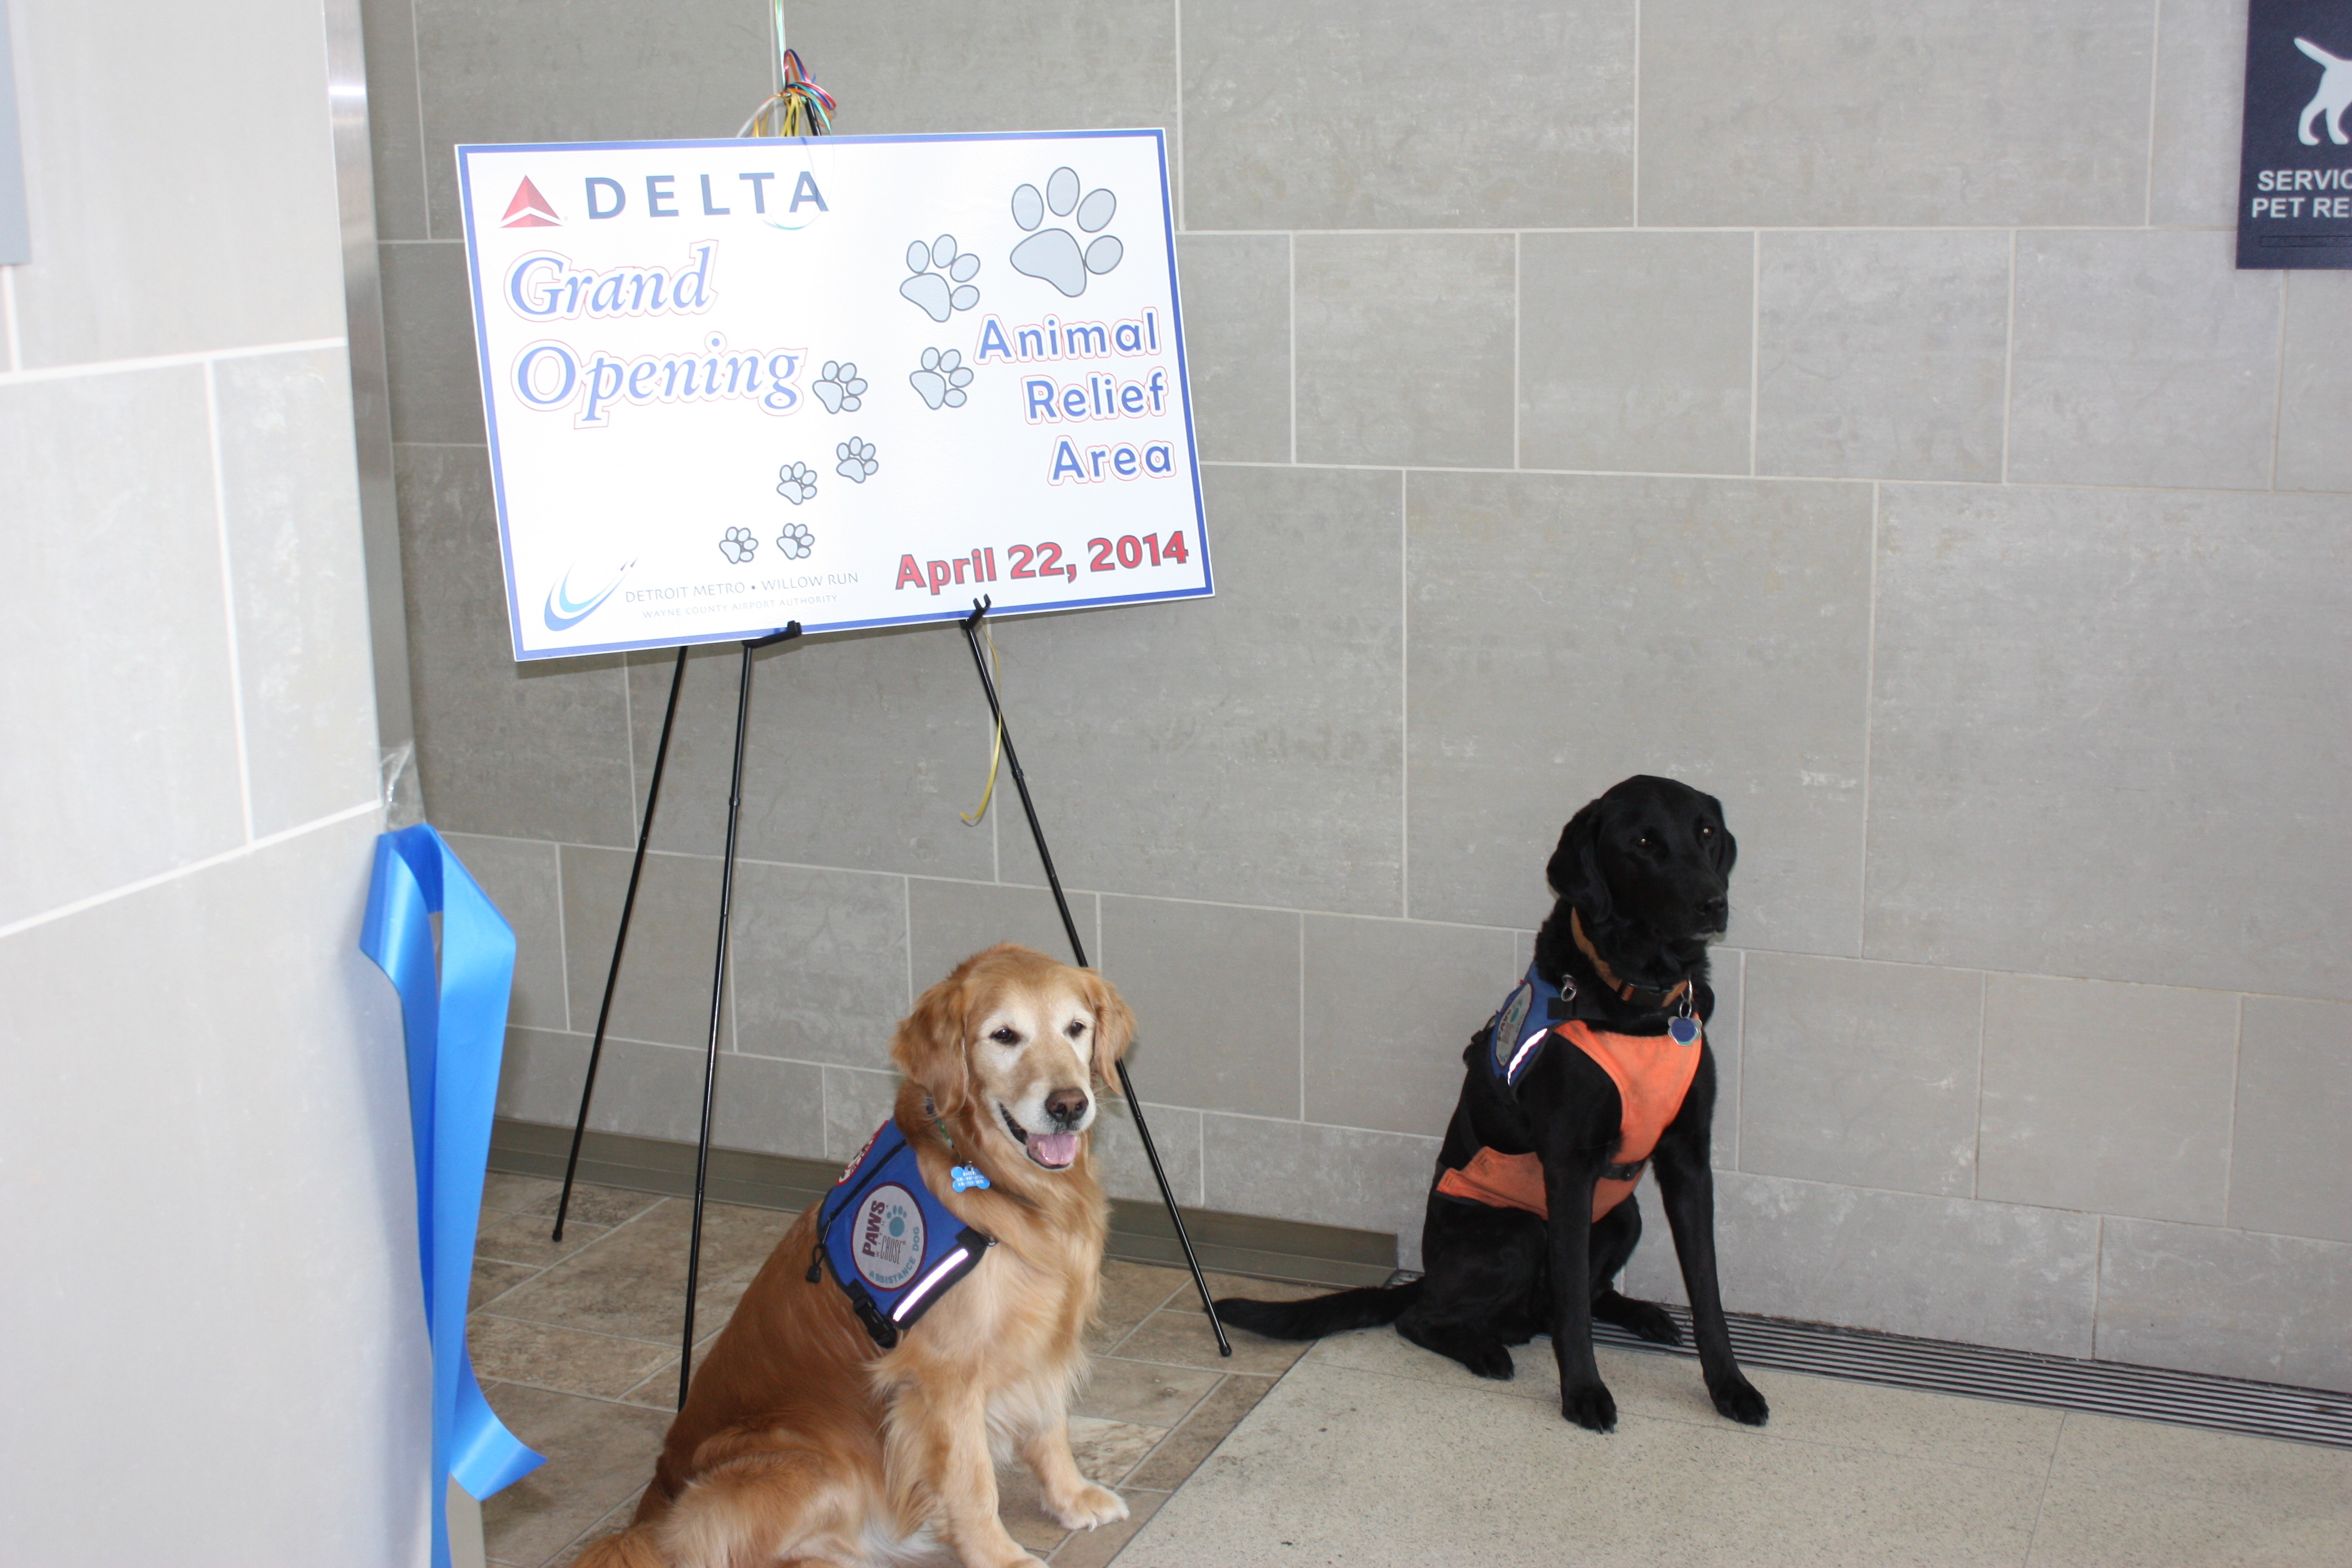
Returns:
(453, 1015)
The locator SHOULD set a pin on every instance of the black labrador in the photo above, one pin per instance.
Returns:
(1640, 878)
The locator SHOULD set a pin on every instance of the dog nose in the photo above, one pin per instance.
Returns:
(1717, 909)
(1065, 1106)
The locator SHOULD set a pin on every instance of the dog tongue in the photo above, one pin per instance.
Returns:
(1054, 1149)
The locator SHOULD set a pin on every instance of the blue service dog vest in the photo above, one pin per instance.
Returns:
(895, 1248)
(1528, 1017)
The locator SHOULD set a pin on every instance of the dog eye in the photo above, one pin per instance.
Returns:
(1005, 1036)
(1646, 842)
(1706, 832)
(1078, 1026)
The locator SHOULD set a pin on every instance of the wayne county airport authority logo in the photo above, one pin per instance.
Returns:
(566, 610)
(887, 1240)
(530, 209)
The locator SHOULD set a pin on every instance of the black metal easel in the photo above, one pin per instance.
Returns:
(719, 973)
(979, 608)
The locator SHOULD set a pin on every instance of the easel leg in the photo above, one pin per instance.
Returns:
(1053, 878)
(620, 941)
(717, 995)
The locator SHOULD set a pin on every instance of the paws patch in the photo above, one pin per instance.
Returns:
(1053, 254)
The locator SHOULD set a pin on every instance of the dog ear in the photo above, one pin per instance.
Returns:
(929, 1047)
(1114, 1029)
(1727, 847)
(1574, 870)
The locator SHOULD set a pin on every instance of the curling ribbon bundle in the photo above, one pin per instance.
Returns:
(798, 107)
(454, 1016)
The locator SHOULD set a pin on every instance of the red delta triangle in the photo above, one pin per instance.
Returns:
(532, 209)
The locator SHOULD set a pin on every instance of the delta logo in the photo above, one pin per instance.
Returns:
(530, 209)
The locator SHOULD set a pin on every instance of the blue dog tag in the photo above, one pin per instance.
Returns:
(1683, 1031)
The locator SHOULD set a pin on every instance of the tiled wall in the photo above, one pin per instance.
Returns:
(1849, 407)
(205, 1199)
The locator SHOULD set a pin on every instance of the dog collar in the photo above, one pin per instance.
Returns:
(1624, 990)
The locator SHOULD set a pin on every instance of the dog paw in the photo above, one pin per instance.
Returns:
(1738, 1399)
(941, 282)
(1644, 1320)
(1594, 1408)
(1086, 1508)
(1052, 255)
(1489, 1361)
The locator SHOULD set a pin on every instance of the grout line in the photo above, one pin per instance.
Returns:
(228, 602)
(1755, 337)
(1637, 114)
(1518, 317)
(251, 846)
(1291, 242)
(2278, 404)
(1976, 1154)
(2155, 76)
(2009, 358)
(8, 305)
(1302, 1017)
(164, 361)
(424, 157)
(1179, 40)
(1404, 694)
(1869, 709)
(907, 913)
(1718, 475)
(2049, 1473)
(563, 937)
(2098, 1278)
(2237, 1065)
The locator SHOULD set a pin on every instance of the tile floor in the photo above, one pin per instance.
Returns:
(1366, 1450)
(576, 1346)
(1371, 1452)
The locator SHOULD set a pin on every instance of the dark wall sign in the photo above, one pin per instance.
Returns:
(2295, 170)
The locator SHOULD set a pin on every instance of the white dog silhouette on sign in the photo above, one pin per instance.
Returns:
(2328, 104)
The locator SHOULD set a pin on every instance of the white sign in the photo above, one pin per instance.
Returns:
(853, 381)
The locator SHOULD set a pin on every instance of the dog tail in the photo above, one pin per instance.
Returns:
(2315, 52)
(633, 1548)
(1367, 1306)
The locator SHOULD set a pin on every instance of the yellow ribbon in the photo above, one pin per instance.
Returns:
(996, 748)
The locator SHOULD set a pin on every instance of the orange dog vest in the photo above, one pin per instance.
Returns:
(1653, 1074)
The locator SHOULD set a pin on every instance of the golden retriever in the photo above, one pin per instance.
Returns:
(803, 1442)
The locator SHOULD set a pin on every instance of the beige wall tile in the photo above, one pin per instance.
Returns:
(2270, 1308)
(1236, 303)
(2112, 1098)
(1894, 111)
(2142, 359)
(1376, 114)
(2290, 1162)
(1863, 1074)
(1882, 355)
(1216, 993)
(2088, 756)
(1389, 1006)
(1634, 351)
(1404, 348)
(520, 877)
(2315, 387)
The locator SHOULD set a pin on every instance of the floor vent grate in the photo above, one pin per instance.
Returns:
(1980, 1372)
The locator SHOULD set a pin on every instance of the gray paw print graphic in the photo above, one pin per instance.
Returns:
(839, 389)
(738, 545)
(796, 483)
(796, 540)
(933, 293)
(943, 379)
(857, 464)
(1053, 254)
